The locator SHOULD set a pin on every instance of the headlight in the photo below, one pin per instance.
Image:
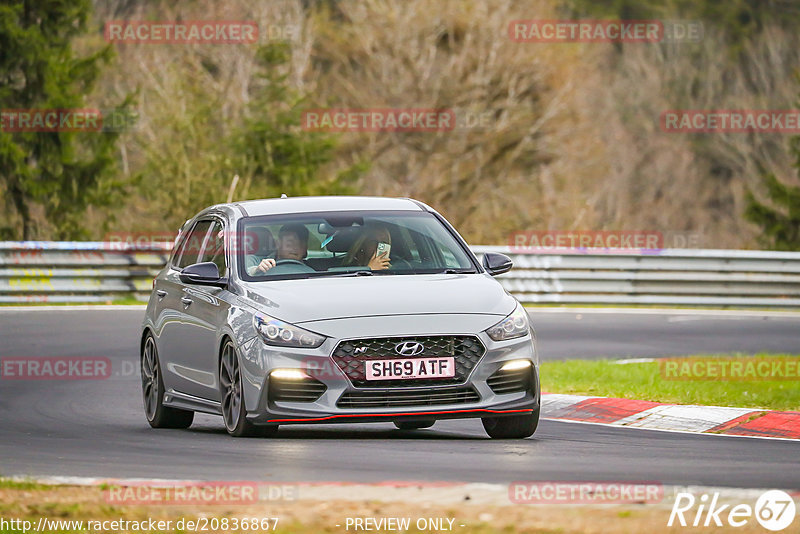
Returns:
(276, 332)
(515, 325)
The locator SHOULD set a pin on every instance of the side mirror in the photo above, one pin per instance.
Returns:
(203, 274)
(495, 263)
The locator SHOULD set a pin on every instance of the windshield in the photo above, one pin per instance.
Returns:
(348, 244)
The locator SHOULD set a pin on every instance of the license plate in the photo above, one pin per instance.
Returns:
(413, 368)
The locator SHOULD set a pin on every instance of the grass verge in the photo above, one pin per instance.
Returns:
(322, 511)
(652, 381)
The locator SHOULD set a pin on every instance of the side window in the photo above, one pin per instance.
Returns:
(214, 249)
(450, 259)
(425, 250)
(190, 248)
(315, 239)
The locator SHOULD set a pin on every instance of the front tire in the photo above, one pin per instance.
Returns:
(233, 410)
(511, 427)
(158, 415)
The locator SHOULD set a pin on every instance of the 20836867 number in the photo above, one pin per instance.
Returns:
(242, 524)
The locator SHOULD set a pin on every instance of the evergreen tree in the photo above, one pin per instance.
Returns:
(274, 154)
(781, 223)
(59, 174)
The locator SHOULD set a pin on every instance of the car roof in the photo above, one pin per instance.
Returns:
(275, 206)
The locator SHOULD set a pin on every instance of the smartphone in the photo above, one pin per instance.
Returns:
(383, 248)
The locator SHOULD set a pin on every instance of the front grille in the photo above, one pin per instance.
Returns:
(307, 390)
(352, 355)
(395, 399)
(510, 381)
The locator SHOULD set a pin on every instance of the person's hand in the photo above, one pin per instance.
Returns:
(265, 265)
(379, 263)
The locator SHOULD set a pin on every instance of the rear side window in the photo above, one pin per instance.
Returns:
(190, 247)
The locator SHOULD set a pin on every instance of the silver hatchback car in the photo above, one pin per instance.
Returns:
(335, 309)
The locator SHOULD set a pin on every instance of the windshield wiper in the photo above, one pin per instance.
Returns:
(369, 272)
(348, 273)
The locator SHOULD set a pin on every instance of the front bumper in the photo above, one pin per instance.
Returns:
(484, 401)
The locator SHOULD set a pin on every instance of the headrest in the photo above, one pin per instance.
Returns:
(261, 242)
(343, 239)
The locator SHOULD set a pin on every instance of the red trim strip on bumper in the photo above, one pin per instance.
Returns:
(391, 415)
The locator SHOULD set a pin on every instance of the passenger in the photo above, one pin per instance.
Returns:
(364, 250)
(217, 251)
(292, 245)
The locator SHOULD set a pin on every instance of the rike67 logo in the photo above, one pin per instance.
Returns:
(774, 510)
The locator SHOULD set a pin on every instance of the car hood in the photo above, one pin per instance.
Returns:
(315, 299)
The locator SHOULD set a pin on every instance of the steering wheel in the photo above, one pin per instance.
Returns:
(400, 263)
(285, 261)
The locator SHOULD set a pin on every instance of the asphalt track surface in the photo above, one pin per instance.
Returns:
(96, 428)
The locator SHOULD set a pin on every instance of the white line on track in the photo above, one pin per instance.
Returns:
(607, 425)
(120, 307)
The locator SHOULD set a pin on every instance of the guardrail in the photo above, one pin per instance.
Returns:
(43, 271)
(684, 277)
(95, 271)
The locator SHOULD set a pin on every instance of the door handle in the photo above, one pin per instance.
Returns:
(186, 300)
(161, 293)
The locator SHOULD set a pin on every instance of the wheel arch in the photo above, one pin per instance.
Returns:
(224, 338)
(145, 332)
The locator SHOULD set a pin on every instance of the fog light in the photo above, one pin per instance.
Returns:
(288, 374)
(515, 365)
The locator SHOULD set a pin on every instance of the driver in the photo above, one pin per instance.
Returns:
(292, 245)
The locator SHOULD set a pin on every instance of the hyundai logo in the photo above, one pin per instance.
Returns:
(409, 348)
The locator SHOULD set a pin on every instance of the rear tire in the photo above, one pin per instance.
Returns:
(233, 410)
(414, 425)
(511, 427)
(158, 415)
